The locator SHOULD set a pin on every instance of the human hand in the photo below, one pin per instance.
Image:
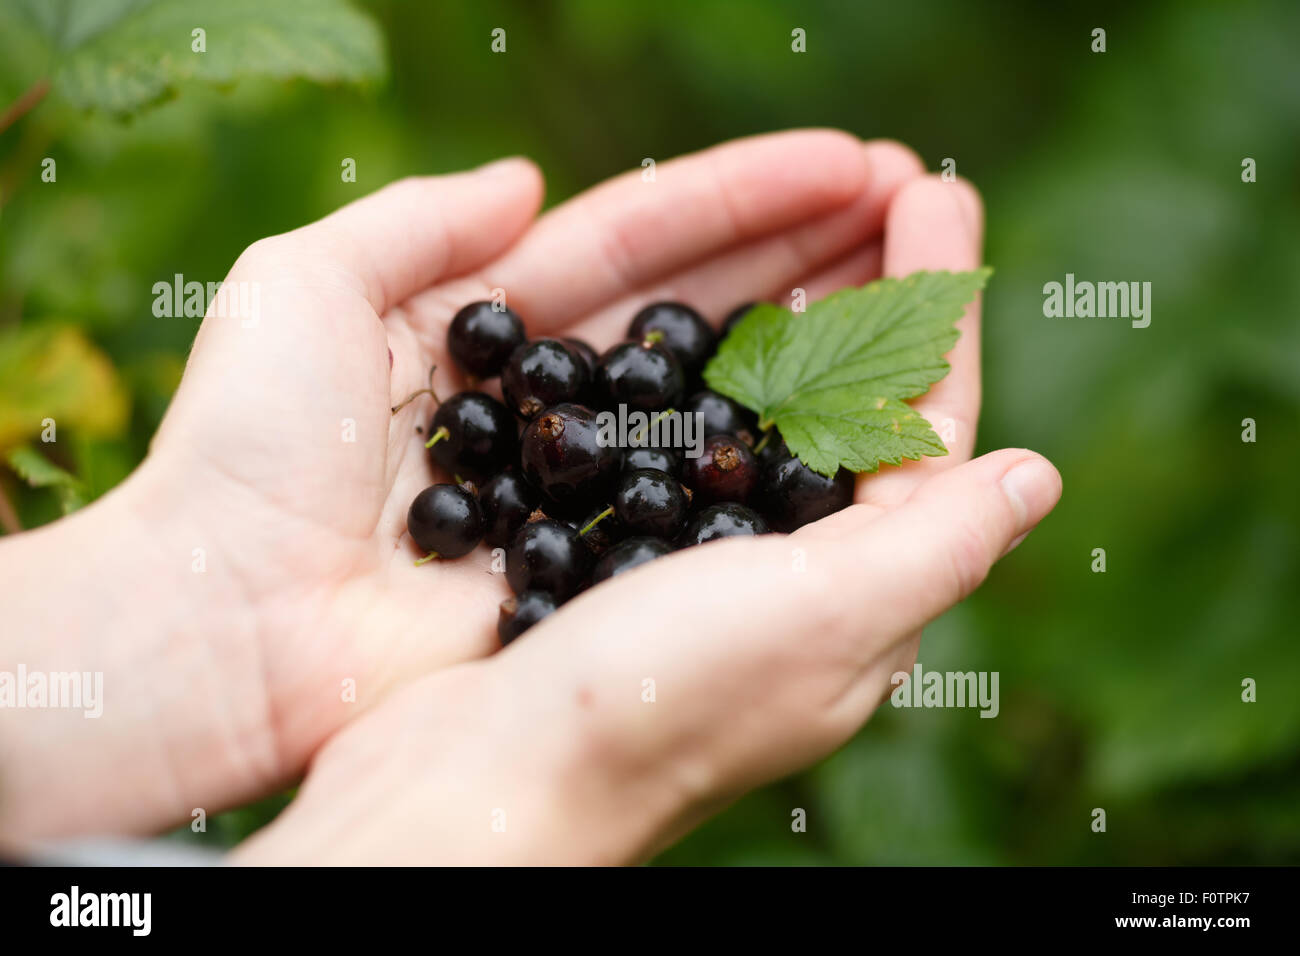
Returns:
(235, 675)
(763, 654)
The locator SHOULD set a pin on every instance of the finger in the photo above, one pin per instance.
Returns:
(936, 225)
(647, 702)
(688, 699)
(629, 232)
(945, 537)
(859, 267)
(769, 267)
(411, 233)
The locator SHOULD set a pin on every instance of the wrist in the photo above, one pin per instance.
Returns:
(118, 597)
(459, 769)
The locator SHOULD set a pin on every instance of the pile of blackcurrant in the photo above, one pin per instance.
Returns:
(532, 476)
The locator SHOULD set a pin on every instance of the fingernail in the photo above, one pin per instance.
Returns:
(1032, 488)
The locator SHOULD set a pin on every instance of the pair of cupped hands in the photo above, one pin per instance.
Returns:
(250, 594)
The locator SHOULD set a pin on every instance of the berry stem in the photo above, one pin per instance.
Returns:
(412, 397)
(652, 423)
(762, 443)
(426, 559)
(438, 436)
(424, 391)
(596, 520)
(653, 338)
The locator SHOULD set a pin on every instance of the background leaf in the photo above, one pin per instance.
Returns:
(53, 372)
(122, 55)
(39, 472)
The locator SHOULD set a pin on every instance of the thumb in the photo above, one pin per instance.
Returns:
(942, 541)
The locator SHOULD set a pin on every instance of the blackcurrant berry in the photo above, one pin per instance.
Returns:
(575, 512)
(722, 416)
(628, 555)
(775, 449)
(792, 494)
(586, 351)
(481, 338)
(506, 501)
(725, 471)
(651, 503)
(473, 435)
(734, 316)
(642, 375)
(561, 453)
(543, 373)
(685, 333)
(722, 521)
(667, 460)
(521, 612)
(445, 521)
(547, 556)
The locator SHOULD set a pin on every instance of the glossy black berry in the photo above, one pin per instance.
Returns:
(506, 502)
(541, 374)
(792, 494)
(721, 416)
(722, 521)
(589, 356)
(685, 333)
(560, 452)
(650, 502)
(642, 375)
(586, 351)
(575, 513)
(521, 612)
(775, 450)
(547, 556)
(445, 521)
(473, 435)
(667, 460)
(734, 316)
(725, 471)
(481, 339)
(627, 555)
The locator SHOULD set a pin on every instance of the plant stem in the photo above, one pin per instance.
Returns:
(412, 397)
(652, 423)
(762, 442)
(25, 103)
(8, 515)
(596, 520)
(424, 391)
(438, 436)
(426, 559)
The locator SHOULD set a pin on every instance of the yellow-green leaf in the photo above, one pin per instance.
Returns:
(53, 373)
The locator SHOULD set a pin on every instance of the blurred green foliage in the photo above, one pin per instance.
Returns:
(1119, 690)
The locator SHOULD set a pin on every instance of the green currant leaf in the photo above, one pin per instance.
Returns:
(39, 472)
(834, 380)
(120, 56)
